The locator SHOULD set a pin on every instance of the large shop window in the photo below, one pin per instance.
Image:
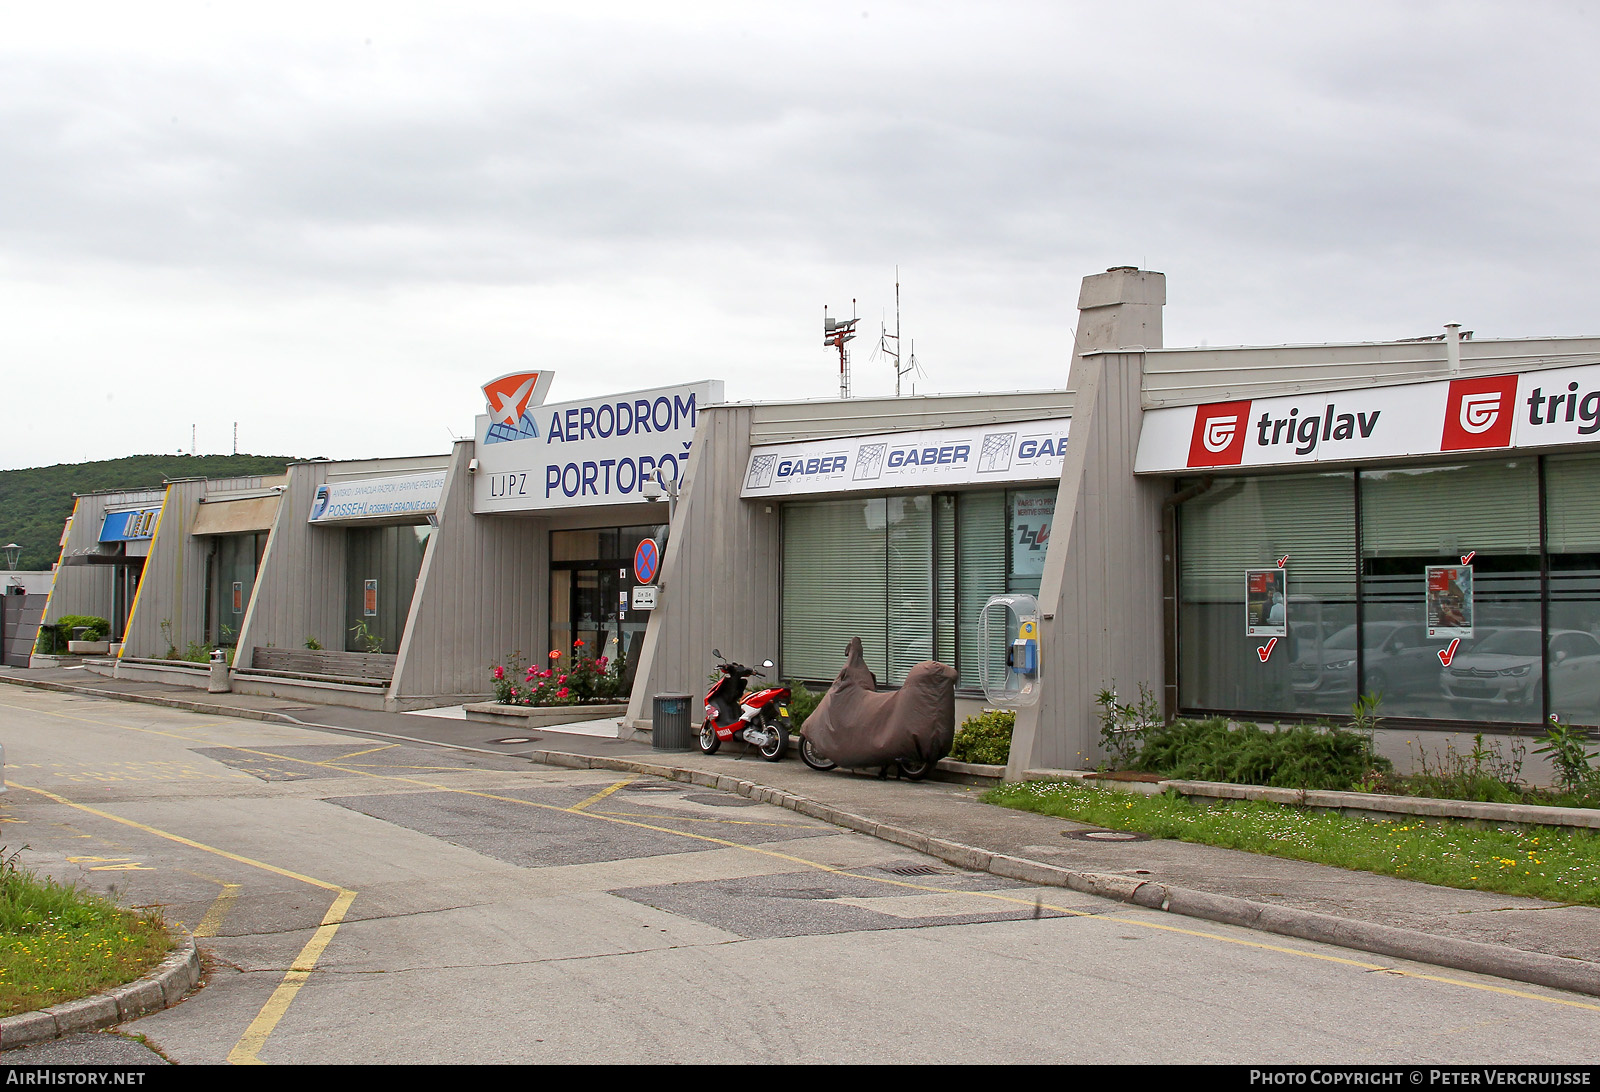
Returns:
(1572, 527)
(909, 575)
(1482, 514)
(1452, 622)
(381, 569)
(591, 582)
(1308, 521)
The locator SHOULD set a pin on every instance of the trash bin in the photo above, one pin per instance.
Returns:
(219, 682)
(670, 726)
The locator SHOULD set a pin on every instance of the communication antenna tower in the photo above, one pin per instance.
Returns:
(836, 333)
(885, 337)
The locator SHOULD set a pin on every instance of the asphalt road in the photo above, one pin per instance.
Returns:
(363, 901)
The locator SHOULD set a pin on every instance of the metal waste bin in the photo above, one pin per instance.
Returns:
(670, 726)
(220, 682)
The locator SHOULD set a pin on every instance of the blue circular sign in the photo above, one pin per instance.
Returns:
(646, 560)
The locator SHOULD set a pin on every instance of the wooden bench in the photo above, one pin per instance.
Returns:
(320, 665)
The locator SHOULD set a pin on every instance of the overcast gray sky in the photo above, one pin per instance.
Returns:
(332, 222)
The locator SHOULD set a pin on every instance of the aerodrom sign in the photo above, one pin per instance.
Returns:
(1025, 451)
(589, 452)
(1484, 413)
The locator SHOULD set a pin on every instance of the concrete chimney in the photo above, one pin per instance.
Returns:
(1120, 309)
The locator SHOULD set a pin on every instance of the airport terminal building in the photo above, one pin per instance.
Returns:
(1265, 532)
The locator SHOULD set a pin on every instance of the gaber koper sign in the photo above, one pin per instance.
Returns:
(1023, 451)
(589, 452)
(1484, 413)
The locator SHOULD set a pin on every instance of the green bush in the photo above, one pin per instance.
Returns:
(1298, 757)
(985, 739)
(802, 702)
(53, 637)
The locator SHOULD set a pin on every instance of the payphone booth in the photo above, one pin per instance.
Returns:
(1009, 632)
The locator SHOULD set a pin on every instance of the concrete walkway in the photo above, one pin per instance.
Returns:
(1516, 938)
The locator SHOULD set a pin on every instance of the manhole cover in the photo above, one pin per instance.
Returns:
(514, 739)
(718, 800)
(294, 709)
(649, 786)
(919, 870)
(1105, 835)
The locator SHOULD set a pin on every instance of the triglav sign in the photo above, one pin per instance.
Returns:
(595, 451)
(1026, 451)
(1533, 409)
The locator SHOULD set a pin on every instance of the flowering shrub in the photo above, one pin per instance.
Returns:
(585, 678)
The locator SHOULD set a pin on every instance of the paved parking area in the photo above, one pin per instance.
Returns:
(360, 900)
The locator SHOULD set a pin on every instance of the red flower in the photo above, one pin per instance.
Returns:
(555, 654)
(562, 692)
(577, 644)
(499, 672)
(562, 679)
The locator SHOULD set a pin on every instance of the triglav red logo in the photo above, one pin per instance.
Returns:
(1218, 438)
(1478, 412)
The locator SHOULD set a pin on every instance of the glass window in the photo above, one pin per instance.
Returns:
(834, 585)
(381, 569)
(1485, 515)
(234, 562)
(910, 585)
(1251, 523)
(1572, 530)
(981, 533)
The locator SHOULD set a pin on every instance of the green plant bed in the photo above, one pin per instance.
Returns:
(985, 739)
(59, 942)
(1544, 863)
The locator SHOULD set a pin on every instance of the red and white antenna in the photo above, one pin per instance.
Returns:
(836, 333)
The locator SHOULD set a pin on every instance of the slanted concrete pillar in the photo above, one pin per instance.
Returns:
(1100, 594)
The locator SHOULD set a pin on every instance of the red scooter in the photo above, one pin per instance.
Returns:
(761, 718)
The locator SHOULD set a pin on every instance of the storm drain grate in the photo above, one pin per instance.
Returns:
(919, 870)
(1105, 835)
(515, 739)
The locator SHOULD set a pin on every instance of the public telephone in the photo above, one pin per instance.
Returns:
(1009, 634)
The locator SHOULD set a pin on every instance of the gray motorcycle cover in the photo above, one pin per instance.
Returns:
(854, 725)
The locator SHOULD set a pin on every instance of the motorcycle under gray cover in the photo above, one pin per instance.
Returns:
(854, 725)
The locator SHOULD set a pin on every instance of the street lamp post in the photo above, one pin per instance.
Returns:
(13, 553)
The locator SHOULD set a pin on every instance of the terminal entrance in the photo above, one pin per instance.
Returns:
(591, 585)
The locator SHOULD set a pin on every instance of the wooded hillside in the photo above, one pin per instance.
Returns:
(35, 502)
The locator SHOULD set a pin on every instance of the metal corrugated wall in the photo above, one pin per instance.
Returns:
(481, 594)
(87, 589)
(776, 423)
(299, 591)
(719, 580)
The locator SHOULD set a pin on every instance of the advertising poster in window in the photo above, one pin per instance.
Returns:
(369, 598)
(1266, 603)
(238, 597)
(1031, 515)
(1449, 601)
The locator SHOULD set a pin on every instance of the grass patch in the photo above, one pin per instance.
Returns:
(59, 942)
(1560, 865)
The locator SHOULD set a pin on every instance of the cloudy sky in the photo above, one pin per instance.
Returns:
(332, 222)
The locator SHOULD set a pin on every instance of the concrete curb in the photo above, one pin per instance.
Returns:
(1515, 964)
(161, 988)
(1346, 803)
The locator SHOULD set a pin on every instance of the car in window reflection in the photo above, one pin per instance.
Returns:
(1401, 659)
(1506, 668)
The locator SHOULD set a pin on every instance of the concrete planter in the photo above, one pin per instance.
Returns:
(540, 716)
(88, 648)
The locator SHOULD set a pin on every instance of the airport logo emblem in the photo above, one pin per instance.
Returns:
(1478, 413)
(508, 400)
(1218, 438)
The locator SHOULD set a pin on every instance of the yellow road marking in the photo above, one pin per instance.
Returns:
(212, 922)
(993, 895)
(368, 751)
(266, 1020)
(247, 1050)
(602, 794)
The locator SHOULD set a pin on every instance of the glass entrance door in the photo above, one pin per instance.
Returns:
(584, 607)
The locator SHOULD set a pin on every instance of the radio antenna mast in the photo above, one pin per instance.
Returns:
(884, 337)
(836, 333)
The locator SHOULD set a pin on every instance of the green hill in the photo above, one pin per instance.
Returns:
(35, 503)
